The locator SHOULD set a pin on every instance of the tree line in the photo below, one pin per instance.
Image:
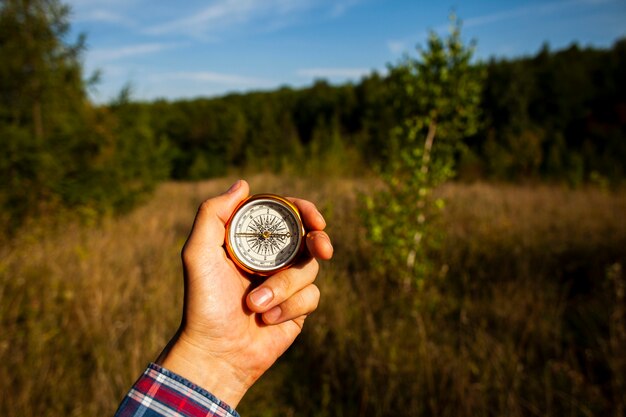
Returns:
(557, 115)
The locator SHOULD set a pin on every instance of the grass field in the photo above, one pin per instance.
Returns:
(526, 315)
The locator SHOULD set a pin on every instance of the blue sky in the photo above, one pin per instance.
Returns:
(186, 49)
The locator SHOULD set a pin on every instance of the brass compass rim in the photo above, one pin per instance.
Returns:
(242, 264)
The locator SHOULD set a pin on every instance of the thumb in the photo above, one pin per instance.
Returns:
(208, 227)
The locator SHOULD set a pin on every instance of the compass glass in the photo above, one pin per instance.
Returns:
(265, 234)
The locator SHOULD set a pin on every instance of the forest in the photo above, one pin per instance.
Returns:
(556, 116)
(476, 211)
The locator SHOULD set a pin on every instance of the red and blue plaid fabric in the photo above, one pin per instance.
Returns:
(160, 392)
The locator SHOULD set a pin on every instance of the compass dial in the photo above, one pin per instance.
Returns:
(265, 234)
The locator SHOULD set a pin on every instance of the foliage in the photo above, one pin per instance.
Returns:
(283, 131)
(524, 316)
(58, 151)
(438, 94)
(556, 115)
(37, 72)
(565, 108)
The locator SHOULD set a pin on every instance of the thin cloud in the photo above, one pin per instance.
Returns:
(228, 13)
(340, 7)
(397, 46)
(541, 9)
(100, 11)
(98, 3)
(112, 54)
(213, 78)
(256, 15)
(105, 16)
(333, 72)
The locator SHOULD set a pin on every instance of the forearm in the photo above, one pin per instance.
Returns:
(200, 366)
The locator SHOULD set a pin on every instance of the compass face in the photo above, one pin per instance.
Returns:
(265, 234)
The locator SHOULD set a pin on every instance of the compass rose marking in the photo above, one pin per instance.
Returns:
(264, 234)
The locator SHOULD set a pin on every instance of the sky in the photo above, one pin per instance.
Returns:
(187, 49)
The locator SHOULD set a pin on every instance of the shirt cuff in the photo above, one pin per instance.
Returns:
(160, 392)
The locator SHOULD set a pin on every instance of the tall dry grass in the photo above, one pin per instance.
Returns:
(524, 317)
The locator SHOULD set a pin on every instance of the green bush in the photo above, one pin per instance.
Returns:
(439, 93)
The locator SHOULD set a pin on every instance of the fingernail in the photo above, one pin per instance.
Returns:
(319, 235)
(321, 218)
(234, 187)
(327, 239)
(261, 296)
(273, 314)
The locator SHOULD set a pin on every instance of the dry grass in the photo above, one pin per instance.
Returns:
(522, 319)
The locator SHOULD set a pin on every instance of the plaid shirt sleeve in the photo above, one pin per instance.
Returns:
(160, 392)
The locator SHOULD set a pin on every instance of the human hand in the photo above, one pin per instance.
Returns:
(234, 327)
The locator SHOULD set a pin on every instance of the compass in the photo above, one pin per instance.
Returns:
(265, 234)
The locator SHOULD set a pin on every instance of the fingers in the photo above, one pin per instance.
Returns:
(291, 290)
(319, 245)
(208, 227)
(291, 294)
(300, 304)
(312, 218)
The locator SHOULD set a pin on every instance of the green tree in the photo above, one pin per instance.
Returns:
(40, 75)
(41, 99)
(439, 96)
(56, 149)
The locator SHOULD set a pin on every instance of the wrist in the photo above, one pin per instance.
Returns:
(204, 369)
